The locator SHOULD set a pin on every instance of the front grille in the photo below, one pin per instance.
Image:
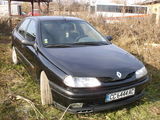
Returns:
(109, 79)
(123, 83)
(105, 79)
(129, 75)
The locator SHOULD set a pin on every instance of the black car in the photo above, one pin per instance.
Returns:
(77, 67)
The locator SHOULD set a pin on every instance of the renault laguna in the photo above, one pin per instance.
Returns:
(77, 67)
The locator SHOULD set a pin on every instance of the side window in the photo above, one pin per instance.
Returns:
(23, 27)
(31, 31)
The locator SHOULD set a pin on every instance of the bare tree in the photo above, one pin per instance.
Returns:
(59, 3)
(119, 1)
(66, 5)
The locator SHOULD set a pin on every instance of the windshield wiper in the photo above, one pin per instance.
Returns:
(77, 43)
(58, 45)
(90, 43)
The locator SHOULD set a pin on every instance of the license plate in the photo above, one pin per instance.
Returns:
(119, 95)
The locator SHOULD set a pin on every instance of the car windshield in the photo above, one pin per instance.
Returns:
(70, 32)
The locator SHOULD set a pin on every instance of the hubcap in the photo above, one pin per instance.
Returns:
(14, 56)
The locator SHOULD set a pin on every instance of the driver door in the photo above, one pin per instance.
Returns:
(29, 52)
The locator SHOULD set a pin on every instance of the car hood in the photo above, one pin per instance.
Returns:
(93, 61)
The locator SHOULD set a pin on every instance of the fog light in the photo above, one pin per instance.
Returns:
(76, 105)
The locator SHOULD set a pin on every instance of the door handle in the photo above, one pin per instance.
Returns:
(35, 46)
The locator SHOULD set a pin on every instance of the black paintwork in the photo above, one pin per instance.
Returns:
(93, 61)
(81, 61)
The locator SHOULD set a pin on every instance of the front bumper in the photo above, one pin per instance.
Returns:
(94, 99)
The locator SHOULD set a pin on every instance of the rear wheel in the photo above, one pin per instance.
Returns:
(14, 56)
(46, 95)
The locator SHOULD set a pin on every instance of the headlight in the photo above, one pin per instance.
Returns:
(81, 82)
(141, 72)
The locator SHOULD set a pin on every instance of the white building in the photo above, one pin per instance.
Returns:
(107, 9)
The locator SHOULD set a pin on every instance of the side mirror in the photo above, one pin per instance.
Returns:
(109, 38)
(26, 42)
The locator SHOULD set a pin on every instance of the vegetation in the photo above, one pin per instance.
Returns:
(135, 36)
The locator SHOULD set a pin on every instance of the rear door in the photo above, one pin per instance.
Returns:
(18, 36)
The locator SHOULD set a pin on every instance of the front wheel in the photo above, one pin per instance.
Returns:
(46, 95)
(14, 56)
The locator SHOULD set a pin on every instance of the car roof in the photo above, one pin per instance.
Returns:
(44, 18)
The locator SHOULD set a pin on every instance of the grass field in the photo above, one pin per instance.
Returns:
(14, 80)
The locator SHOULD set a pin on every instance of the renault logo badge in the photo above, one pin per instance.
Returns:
(119, 74)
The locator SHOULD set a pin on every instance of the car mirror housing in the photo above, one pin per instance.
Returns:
(110, 38)
(26, 42)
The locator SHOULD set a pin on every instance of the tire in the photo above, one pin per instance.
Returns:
(14, 56)
(46, 95)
